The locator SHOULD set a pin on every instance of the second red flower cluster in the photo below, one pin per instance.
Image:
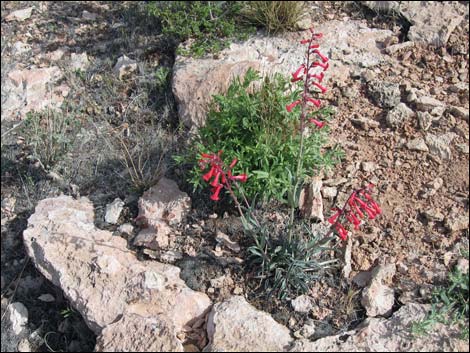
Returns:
(354, 210)
(221, 176)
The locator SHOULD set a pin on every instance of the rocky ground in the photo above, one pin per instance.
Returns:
(400, 92)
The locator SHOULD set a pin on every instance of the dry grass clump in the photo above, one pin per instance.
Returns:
(275, 16)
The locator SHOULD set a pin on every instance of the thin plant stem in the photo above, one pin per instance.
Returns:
(237, 203)
(301, 147)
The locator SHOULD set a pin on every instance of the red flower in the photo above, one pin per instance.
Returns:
(241, 177)
(216, 191)
(215, 182)
(291, 106)
(319, 124)
(319, 76)
(314, 46)
(343, 233)
(323, 89)
(234, 161)
(324, 66)
(371, 202)
(209, 174)
(353, 219)
(353, 211)
(333, 218)
(298, 72)
(371, 213)
(305, 41)
(221, 177)
(323, 57)
(315, 102)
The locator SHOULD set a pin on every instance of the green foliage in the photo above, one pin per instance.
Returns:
(68, 312)
(49, 134)
(450, 304)
(288, 266)
(275, 16)
(162, 77)
(210, 24)
(254, 127)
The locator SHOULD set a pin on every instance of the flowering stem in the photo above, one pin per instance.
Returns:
(237, 203)
(301, 147)
(235, 199)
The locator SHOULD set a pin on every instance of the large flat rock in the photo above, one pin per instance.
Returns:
(102, 278)
(432, 21)
(34, 89)
(236, 326)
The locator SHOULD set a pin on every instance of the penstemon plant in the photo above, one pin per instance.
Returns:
(286, 264)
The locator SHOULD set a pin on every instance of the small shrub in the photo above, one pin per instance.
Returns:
(49, 134)
(275, 16)
(255, 128)
(450, 304)
(287, 266)
(142, 153)
(210, 24)
(162, 78)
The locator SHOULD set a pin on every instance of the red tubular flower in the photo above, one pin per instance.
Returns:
(318, 35)
(355, 207)
(375, 207)
(322, 57)
(333, 218)
(215, 182)
(299, 71)
(242, 178)
(314, 46)
(319, 76)
(215, 192)
(233, 163)
(209, 174)
(371, 202)
(343, 233)
(315, 102)
(353, 219)
(324, 66)
(366, 208)
(319, 124)
(291, 106)
(323, 89)
(305, 41)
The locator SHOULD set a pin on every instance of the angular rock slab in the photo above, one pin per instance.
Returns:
(236, 326)
(28, 90)
(19, 15)
(311, 201)
(161, 207)
(390, 335)
(134, 333)
(349, 45)
(98, 274)
(164, 202)
(432, 21)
